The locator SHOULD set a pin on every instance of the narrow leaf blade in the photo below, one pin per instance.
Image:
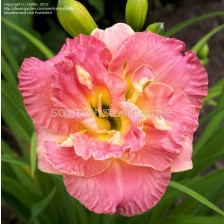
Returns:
(195, 195)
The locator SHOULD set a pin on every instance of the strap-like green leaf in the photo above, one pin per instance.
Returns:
(8, 74)
(9, 56)
(210, 115)
(37, 208)
(33, 153)
(13, 160)
(33, 39)
(201, 42)
(214, 91)
(211, 127)
(193, 220)
(195, 195)
(189, 22)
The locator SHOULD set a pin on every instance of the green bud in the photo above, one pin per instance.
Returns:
(135, 13)
(203, 52)
(157, 28)
(204, 61)
(75, 18)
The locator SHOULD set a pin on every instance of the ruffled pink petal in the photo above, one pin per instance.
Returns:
(70, 92)
(42, 136)
(67, 91)
(84, 78)
(141, 77)
(66, 161)
(161, 148)
(134, 136)
(67, 48)
(183, 162)
(35, 87)
(164, 56)
(130, 190)
(113, 36)
(82, 41)
(165, 133)
(99, 146)
(164, 98)
(104, 53)
(88, 60)
(128, 137)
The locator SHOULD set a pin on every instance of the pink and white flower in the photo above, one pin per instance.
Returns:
(115, 163)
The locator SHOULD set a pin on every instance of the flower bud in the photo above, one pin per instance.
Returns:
(204, 61)
(157, 28)
(203, 52)
(135, 13)
(75, 18)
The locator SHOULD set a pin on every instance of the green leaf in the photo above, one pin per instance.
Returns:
(14, 40)
(208, 181)
(33, 153)
(5, 148)
(8, 74)
(210, 115)
(193, 220)
(12, 118)
(21, 210)
(189, 22)
(213, 150)
(189, 205)
(209, 161)
(195, 195)
(33, 39)
(201, 42)
(109, 219)
(39, 207)
(17, 190)
(81, 211)
(13, 160)
(13, 96)
(211, 127)
(212, 93)
(213, 196)
(72, 209)
(15, 108)
(9, 56)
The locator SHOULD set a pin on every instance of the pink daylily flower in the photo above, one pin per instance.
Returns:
(121, 161)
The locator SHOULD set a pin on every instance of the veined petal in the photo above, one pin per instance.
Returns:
(112, 87)
(183, 162)
(165, 135)
(104, 53)
(164, 98)
(67, 91)
(130, 190)
(42, 136)
(66, 161)
(35, 87)
(114, 35)
(141, 77)
(131, 126)
(80, 42)
(128, 136)
(67, 48)
(100, 146)
(164, 56)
